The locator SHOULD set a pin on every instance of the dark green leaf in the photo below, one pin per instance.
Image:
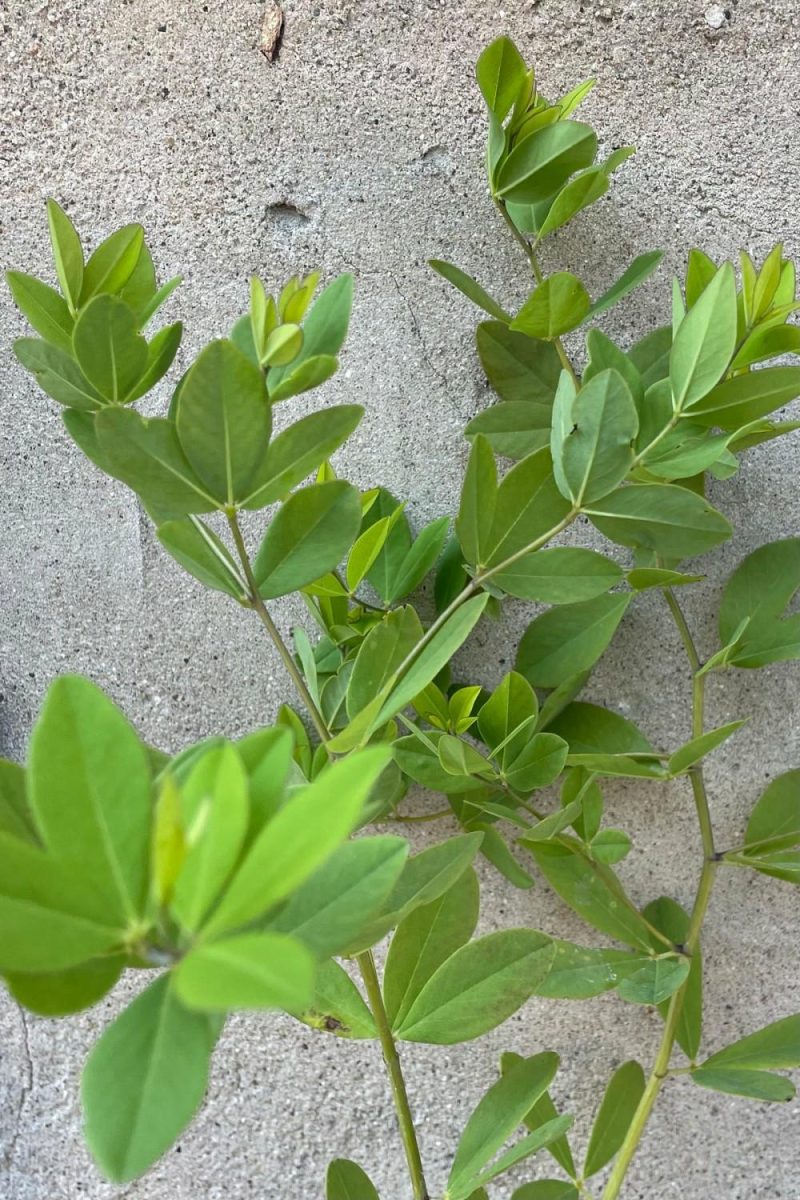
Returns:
(386, 646)
(511, 706)
(620, 1101)
(775, 820)
(568, 639)
(589, 728)
(664, 518)
(754, 1085)
(478, 500)
(519, 368)
(758, 592)
(538, 764)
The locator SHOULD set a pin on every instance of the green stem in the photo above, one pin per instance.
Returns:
(661, 1067)
(405, 1120)
(274, 633)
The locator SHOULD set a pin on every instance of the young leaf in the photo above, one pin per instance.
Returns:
(620, 1101)
(540, 164)
(67, 253)
(640, 269)
(592, 442)
(424, 940)
(478, 987)
(324, 333)
(110, 351)
(144, 1081)
(346, 1181)
(16, 815)
(299, 450)
(468, 286)
(670, 520)
(568, 639)
(699, 747)
(45, 310)
(705, 342)
(501, 73)
(113, 262)
(556, 306)
(249, 970)
(308, 536)
(304, 374)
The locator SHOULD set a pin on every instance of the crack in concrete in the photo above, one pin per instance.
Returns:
(426, 357)
(26, 1087)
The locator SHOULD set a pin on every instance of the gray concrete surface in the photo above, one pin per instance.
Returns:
(369, 126)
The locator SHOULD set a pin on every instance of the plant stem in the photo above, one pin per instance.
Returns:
(274, 633)
(405, 1120)
(661, 1068)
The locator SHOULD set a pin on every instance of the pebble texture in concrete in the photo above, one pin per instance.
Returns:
(361, 148)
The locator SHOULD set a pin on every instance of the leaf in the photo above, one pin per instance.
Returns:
(44, 309)
(767, 343)
(519, 368)
(546, 1189)
(776, 817)
(641, 578)
(748, 397)
(561, 575)
(346, 1181)
(592, 442)
(250, 970)
(468, 286)
(384, 649)
(512, 705)
(556, 306)
(110, 351)
(161, 353)
(501, 73)
(578, 973)
(144, 1081)
(497, 1116)
(365, 550)
(640, 269)
(299, 450)
(283, 345)
(495, 850)
(61, 993)
(158, 300)
(513, 428)
(67, 253)
(775, 1046)
(419, 560)
(613, 1120)
(543, 1136)
(147, 456)
(610, 846)
(298, 839)
(331, 907)
(606, 355)
(569, 639)
(579, 193)
(200, 552)
(668, 917)
(656, 981)
(113, 262)
(705, 341)
(538, 764)
(592, 890)
(16, 816)
(541, 163)
(757, 593)
(303, 376)
(478, 987)
(754, 1085)
(589, 728)
(309, 535)
(528, 507)
(215, 798)
(424, 940)
(650, 355)
(337, 1006)
(478, 500)
(57, 374)
(699, 747)
(324, 331)
(669, 520)
(89, 783)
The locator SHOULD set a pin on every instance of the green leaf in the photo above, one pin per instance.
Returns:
(386, 646)
(754, 1085)
(757, 593)
(613, 1120)
(337, 1006)
(748, 397)
(144, 1081)
(700, 271)
(592, 443)
(699, 747)
(640, 269)
(541, 1113)
(324, 332)
(641, 578)
(539, 1139)
(309, 536)
(669, 520)
(495, 850)
(501, 73)
(775, 1047)
(283, 345)
(519, 368)
(419, 560)
(223, 420)
(497, 1116)
(656, 981)
(346, 1181)
(606, 355)
(158, 300)
(546, 1189)
(478, 987)
(589, 728)
(214, 799)
(705, 341)
(528, 507)
(650, 355)
(540, 164)
(478, 499)
(161, 353)
(775, 821)
(304, 374)
(330, 908)
(513, 428)
(578, 973)
(556, 306)
(89, 785)
(668, 917)
(299, 450)
(470, 288)
(16, 817)
(568, 639)
(592, 890)
(538, 764)
(113, 262)
(250, 970)
(57, 374)
(200, 552)
(147, 456)
(67, 253)
(580, 192)
(45, 310)
(562, 575)
(110, 351)
(299, 838)
(61, 993)
(767, 343)
(512, 706)
(610, 846)
(424, 940)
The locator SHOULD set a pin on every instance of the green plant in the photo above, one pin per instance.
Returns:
(227, 869)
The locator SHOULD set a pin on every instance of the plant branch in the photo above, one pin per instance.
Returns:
(405, 1120)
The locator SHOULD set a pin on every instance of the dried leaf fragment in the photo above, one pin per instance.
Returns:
(271, 31)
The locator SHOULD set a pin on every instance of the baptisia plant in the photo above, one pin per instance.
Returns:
(226, 876)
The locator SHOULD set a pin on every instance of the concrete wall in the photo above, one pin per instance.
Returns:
(361, 148)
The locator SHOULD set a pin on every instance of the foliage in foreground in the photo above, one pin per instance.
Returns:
(227, 877)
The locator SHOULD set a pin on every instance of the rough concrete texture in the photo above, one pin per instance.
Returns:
(361, 148)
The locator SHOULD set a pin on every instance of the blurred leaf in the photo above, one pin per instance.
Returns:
(249, 970)
(753, 604)
(61, 993)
